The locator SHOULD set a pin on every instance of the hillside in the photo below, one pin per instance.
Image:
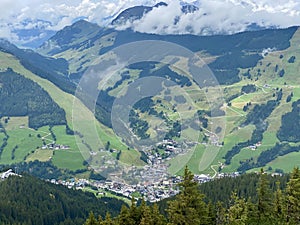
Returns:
(256, 71)
(27, 200)
(261, 199)
(39, 115)
(248, 129)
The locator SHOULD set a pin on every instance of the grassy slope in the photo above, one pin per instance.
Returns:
(234, 114)
(65, 101)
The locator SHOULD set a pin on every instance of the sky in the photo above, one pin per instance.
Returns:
(24, 21)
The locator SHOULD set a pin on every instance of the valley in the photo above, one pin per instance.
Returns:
(258, 90)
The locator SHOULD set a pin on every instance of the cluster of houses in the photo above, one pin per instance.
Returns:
(255, 146)
(150, 190)
(54, 146)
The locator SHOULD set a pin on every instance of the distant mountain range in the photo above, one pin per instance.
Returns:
(34, 37)
(136, 13)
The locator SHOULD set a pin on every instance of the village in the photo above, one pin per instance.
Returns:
(151, 191)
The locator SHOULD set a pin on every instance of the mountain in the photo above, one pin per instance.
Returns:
(37, 116)
(137, 12)
(28, 200)
(255, 70)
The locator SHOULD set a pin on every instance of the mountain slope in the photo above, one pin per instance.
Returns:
(19, 142)
(247, 65)
(28, 200)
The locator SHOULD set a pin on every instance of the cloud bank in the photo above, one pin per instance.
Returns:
(24, 21)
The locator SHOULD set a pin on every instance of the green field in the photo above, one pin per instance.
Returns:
(69, 159)
(93, 133)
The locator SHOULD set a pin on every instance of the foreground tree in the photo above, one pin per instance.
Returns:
(293, 198)
(264, 204)
(188, 207)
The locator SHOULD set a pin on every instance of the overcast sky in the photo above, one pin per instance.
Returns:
(218, 16)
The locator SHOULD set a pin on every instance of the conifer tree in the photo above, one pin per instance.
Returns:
(146, 218)
(158, 218)
(278, 204)
(220, 214)
(108, 220)
(91, 220)
(238, 211)
(264, 204)
(124, 217)
(188, 207)
(293, 198)
(134, 212)
(211, 217)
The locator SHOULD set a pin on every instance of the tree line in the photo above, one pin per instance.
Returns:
(273, 204)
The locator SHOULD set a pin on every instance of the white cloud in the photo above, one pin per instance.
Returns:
(214, 15)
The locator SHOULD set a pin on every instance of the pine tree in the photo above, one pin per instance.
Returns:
(188, 207)
(124, 217)
(220, 214)
(91, 220)
(146, 218)
(278, 204)
(293, 198)
(238, 211)
(264, 204)
(108, 220)
(158, 218)
(134, 212)
(211, 217)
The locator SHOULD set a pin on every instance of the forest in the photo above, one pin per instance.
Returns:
(28, 200)
(20, 96)
(272, 200)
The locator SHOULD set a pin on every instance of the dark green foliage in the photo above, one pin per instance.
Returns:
(28, 200)
(175, 131)
(290, 125)
(20, 96)
(260, 113)
(164, 71)
(246, 199)
(188, 206)
(249, 88)
(281, 73)
(138, 126)
(96, 176)
(144, 105)
(257, 117)
(292, 59)
(289, 97)
(144, 157)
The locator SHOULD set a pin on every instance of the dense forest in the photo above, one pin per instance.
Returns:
(28, 200)
(271, 201)
(20, 96)
(290, 125)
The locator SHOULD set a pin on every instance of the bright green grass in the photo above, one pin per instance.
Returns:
(131, 157)
(26, 144)
(15, 122)
(193, 163)
(88, 126)
(63, 139)
(42, 155)
(68, 159)
(286, 163)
